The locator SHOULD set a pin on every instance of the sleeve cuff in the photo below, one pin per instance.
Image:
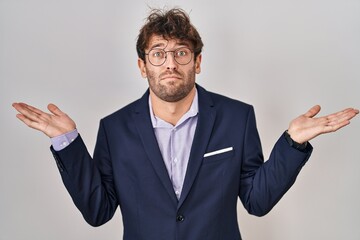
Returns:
(299, 146)
(62, 141)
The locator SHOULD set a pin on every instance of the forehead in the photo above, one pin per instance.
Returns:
(161, 42)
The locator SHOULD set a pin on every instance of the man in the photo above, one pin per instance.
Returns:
(177, 159)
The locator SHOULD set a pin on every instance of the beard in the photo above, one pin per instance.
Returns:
(173, 90)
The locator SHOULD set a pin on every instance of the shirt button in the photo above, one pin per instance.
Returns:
(175, 160)
(180, 218)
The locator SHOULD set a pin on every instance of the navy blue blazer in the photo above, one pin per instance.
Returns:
(127, 170)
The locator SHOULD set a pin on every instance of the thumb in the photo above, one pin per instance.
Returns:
(313, 111)
(54, 109)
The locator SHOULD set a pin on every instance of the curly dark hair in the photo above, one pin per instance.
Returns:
(173, 23)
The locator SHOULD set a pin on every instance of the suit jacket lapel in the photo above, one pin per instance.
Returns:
(146, 132)
(203, 131)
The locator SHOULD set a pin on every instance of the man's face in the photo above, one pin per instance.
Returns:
(171, 81)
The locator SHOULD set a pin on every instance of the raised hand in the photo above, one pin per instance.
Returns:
(52, 125)
(306, 126)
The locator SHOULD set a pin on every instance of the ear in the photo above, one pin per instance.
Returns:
(142, 68)
(198, 64)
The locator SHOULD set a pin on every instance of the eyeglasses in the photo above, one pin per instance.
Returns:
(157, 57)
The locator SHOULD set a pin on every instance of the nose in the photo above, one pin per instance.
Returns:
(170, 62)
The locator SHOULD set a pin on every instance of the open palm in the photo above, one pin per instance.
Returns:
(306, 126)
(52, 124)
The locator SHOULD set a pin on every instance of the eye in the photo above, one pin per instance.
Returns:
(157, 53)
(181, 53)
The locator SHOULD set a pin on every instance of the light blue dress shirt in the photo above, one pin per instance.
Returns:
(175, 143)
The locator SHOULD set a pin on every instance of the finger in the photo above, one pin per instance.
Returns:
(35, 110)
(25, 107)
(344, 114)
(30, 123)
(23, 118)
(313, 111)
(41, 116)
(335, 127)
(28, 111)
(55, 110)
(344, 117)
(19, 106)
(340, 113)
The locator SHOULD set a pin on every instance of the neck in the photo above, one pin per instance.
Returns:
(171, 112)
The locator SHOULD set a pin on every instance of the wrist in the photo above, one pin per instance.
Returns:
(293, 143)
(62, 141)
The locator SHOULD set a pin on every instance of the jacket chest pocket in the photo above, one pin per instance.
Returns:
(218, 155)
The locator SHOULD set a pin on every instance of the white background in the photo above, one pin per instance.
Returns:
(280, 56)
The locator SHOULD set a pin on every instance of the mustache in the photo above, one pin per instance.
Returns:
(173, 73)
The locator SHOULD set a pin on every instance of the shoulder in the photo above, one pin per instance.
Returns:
(126, 112)
(221, 102)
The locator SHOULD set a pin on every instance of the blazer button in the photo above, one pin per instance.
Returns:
(180, 218)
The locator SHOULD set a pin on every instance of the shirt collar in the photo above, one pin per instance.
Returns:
(192, 112)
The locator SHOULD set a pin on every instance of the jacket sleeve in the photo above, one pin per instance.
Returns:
(262, 184)
(89, 181)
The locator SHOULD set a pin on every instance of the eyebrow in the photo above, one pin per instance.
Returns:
(158, 45)
(180, 44)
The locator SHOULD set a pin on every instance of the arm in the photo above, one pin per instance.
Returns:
(90, 185)
(89, 181)
(263, 184)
